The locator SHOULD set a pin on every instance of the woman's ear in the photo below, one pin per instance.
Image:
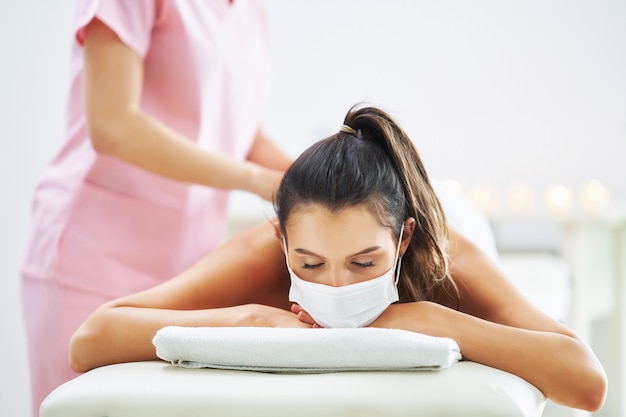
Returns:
(279, 235)
(276, 226)
(407, 234)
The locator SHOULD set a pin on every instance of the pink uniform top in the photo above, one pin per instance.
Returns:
(103, 225)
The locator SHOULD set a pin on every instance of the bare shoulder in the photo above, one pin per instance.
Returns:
(247, 269)
(486, 292)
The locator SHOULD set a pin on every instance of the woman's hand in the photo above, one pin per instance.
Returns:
(303, 316)
(396, 316)
(259, 315)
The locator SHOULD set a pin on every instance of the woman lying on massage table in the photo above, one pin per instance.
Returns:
(367, 244)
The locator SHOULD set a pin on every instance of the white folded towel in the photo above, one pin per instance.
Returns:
(304, 350)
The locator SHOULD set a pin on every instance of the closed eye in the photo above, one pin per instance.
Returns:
(312, 266)
(363, 264)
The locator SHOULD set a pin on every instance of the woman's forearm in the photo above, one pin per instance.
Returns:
(213, 292)
(561, 366)
(115, 334)
(121, 332)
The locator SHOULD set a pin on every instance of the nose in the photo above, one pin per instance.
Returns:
(337, 276)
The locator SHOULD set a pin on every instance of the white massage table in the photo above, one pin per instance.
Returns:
(158, 389)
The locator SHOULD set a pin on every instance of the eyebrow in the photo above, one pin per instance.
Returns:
(362, 252)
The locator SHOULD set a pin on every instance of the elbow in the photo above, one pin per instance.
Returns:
(109, 129)
(87, 347)
(77, 359)
(594, 395)
(82, 346)
(580, 381)
(587, 392)
(103, 138)
(594, 386)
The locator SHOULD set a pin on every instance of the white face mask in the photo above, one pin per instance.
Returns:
(352, 305)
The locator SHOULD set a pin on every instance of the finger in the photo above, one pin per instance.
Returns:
(295, 308)
(304, 317)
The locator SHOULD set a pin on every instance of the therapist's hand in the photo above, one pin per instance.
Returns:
(264, 182)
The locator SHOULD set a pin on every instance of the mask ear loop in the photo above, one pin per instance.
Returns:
(399, 258)
(286, 255)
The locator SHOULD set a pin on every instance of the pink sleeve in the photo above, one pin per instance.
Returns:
(131, 20)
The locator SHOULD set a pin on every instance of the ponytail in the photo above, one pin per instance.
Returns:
(425, 262)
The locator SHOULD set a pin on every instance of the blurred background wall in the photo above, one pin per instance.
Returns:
(496, 95)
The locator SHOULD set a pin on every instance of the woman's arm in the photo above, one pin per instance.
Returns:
(497, 327)
(118, 127)
(242, 283)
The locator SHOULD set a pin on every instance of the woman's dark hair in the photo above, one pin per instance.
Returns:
(373, 162)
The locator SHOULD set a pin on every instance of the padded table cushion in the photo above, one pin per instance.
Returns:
(158, 389)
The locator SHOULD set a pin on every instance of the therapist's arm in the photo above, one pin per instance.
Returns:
(242, 283)
(267, 153)
(118, 127)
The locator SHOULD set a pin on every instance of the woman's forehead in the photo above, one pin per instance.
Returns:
(350, 228)
(320, 215)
